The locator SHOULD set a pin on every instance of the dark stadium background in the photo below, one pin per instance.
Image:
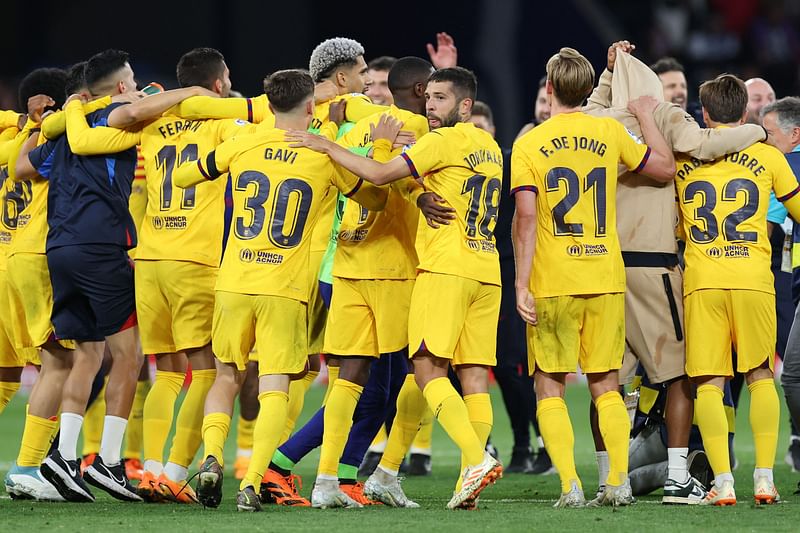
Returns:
(506, 42)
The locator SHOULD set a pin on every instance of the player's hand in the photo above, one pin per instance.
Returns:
(324, 91)
(404, 138)
(623, 46)
(77, 96)
(435, 210)
(36, 105)
(337, 111)
(526, 306)
(642, 106)
(305, 139)
(387, 128)
(445, 54)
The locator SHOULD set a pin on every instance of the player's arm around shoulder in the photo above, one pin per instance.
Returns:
(657, 161)
(85, 140)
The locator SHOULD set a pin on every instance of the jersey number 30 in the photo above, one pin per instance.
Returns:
(289, 213)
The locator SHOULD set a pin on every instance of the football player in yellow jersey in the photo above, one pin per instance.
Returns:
(374, 264)
(456, 297)
(564, 175)
(262, 289)
(180, 239)
(728, 289)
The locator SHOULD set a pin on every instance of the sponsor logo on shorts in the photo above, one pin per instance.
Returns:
(170, 222)
(714, 252)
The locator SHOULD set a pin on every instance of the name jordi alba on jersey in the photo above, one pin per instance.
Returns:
(724, 207)
(463, 165)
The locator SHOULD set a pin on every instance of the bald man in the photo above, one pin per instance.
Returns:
(759, 94)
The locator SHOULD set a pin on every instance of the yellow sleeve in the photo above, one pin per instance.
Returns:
(784, 183)
(370, 196)
(55, 124)
(355, 137)
(632, 153)
(428, 154)
(85, 140)
(329, 130)
(16, 145)
(229, 128)
(360, 107)
(6, 142)
(200, 107)
(9, 119)
(523, 172)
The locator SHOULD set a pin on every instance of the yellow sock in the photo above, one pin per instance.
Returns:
(244, 434)
(765, 413)
(333, 375)
(556, 431)
(451, 412)
(424, 438)
(7, 391)
(215, 432)
(93, 424)
(36, 439)
(159, 407)
(190, 418)
(272, 413)
(134, 431)
(713, 426)
(479, 407)
(338, 421)
(380, 438)
(297, 395)
(615, 426)
(411, 405)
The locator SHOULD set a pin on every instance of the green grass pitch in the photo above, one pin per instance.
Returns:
(518, 502)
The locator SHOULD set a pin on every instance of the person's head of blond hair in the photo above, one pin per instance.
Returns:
(571, 77)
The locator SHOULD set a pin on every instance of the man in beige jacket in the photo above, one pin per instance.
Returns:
(647, 218)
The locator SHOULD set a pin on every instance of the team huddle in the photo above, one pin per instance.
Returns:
(316, 220)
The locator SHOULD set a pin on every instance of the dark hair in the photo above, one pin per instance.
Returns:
(543, 81)
(49, 81)
(407, 72)
(382, 63)
(465, 84)
(482, 109)
(286, 89)
(102, 65)
(724, 98)
(76, 78)
(201, 66)
(666, 64)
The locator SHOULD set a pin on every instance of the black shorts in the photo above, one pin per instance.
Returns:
(512, 347)
(93, 294)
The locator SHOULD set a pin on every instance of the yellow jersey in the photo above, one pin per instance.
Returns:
(31, 227)
(277, 195)
(379, 244)
(182, 224)
(464, 165)
(570, 161)
(723, 206)
(15, 196)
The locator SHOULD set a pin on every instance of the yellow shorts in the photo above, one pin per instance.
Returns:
(572, 330)
(717, 319)
(454, 318)
(10, 355)
(317, 312)
(368, 316)
(276, 326)
(31, 297)
(174, 304)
